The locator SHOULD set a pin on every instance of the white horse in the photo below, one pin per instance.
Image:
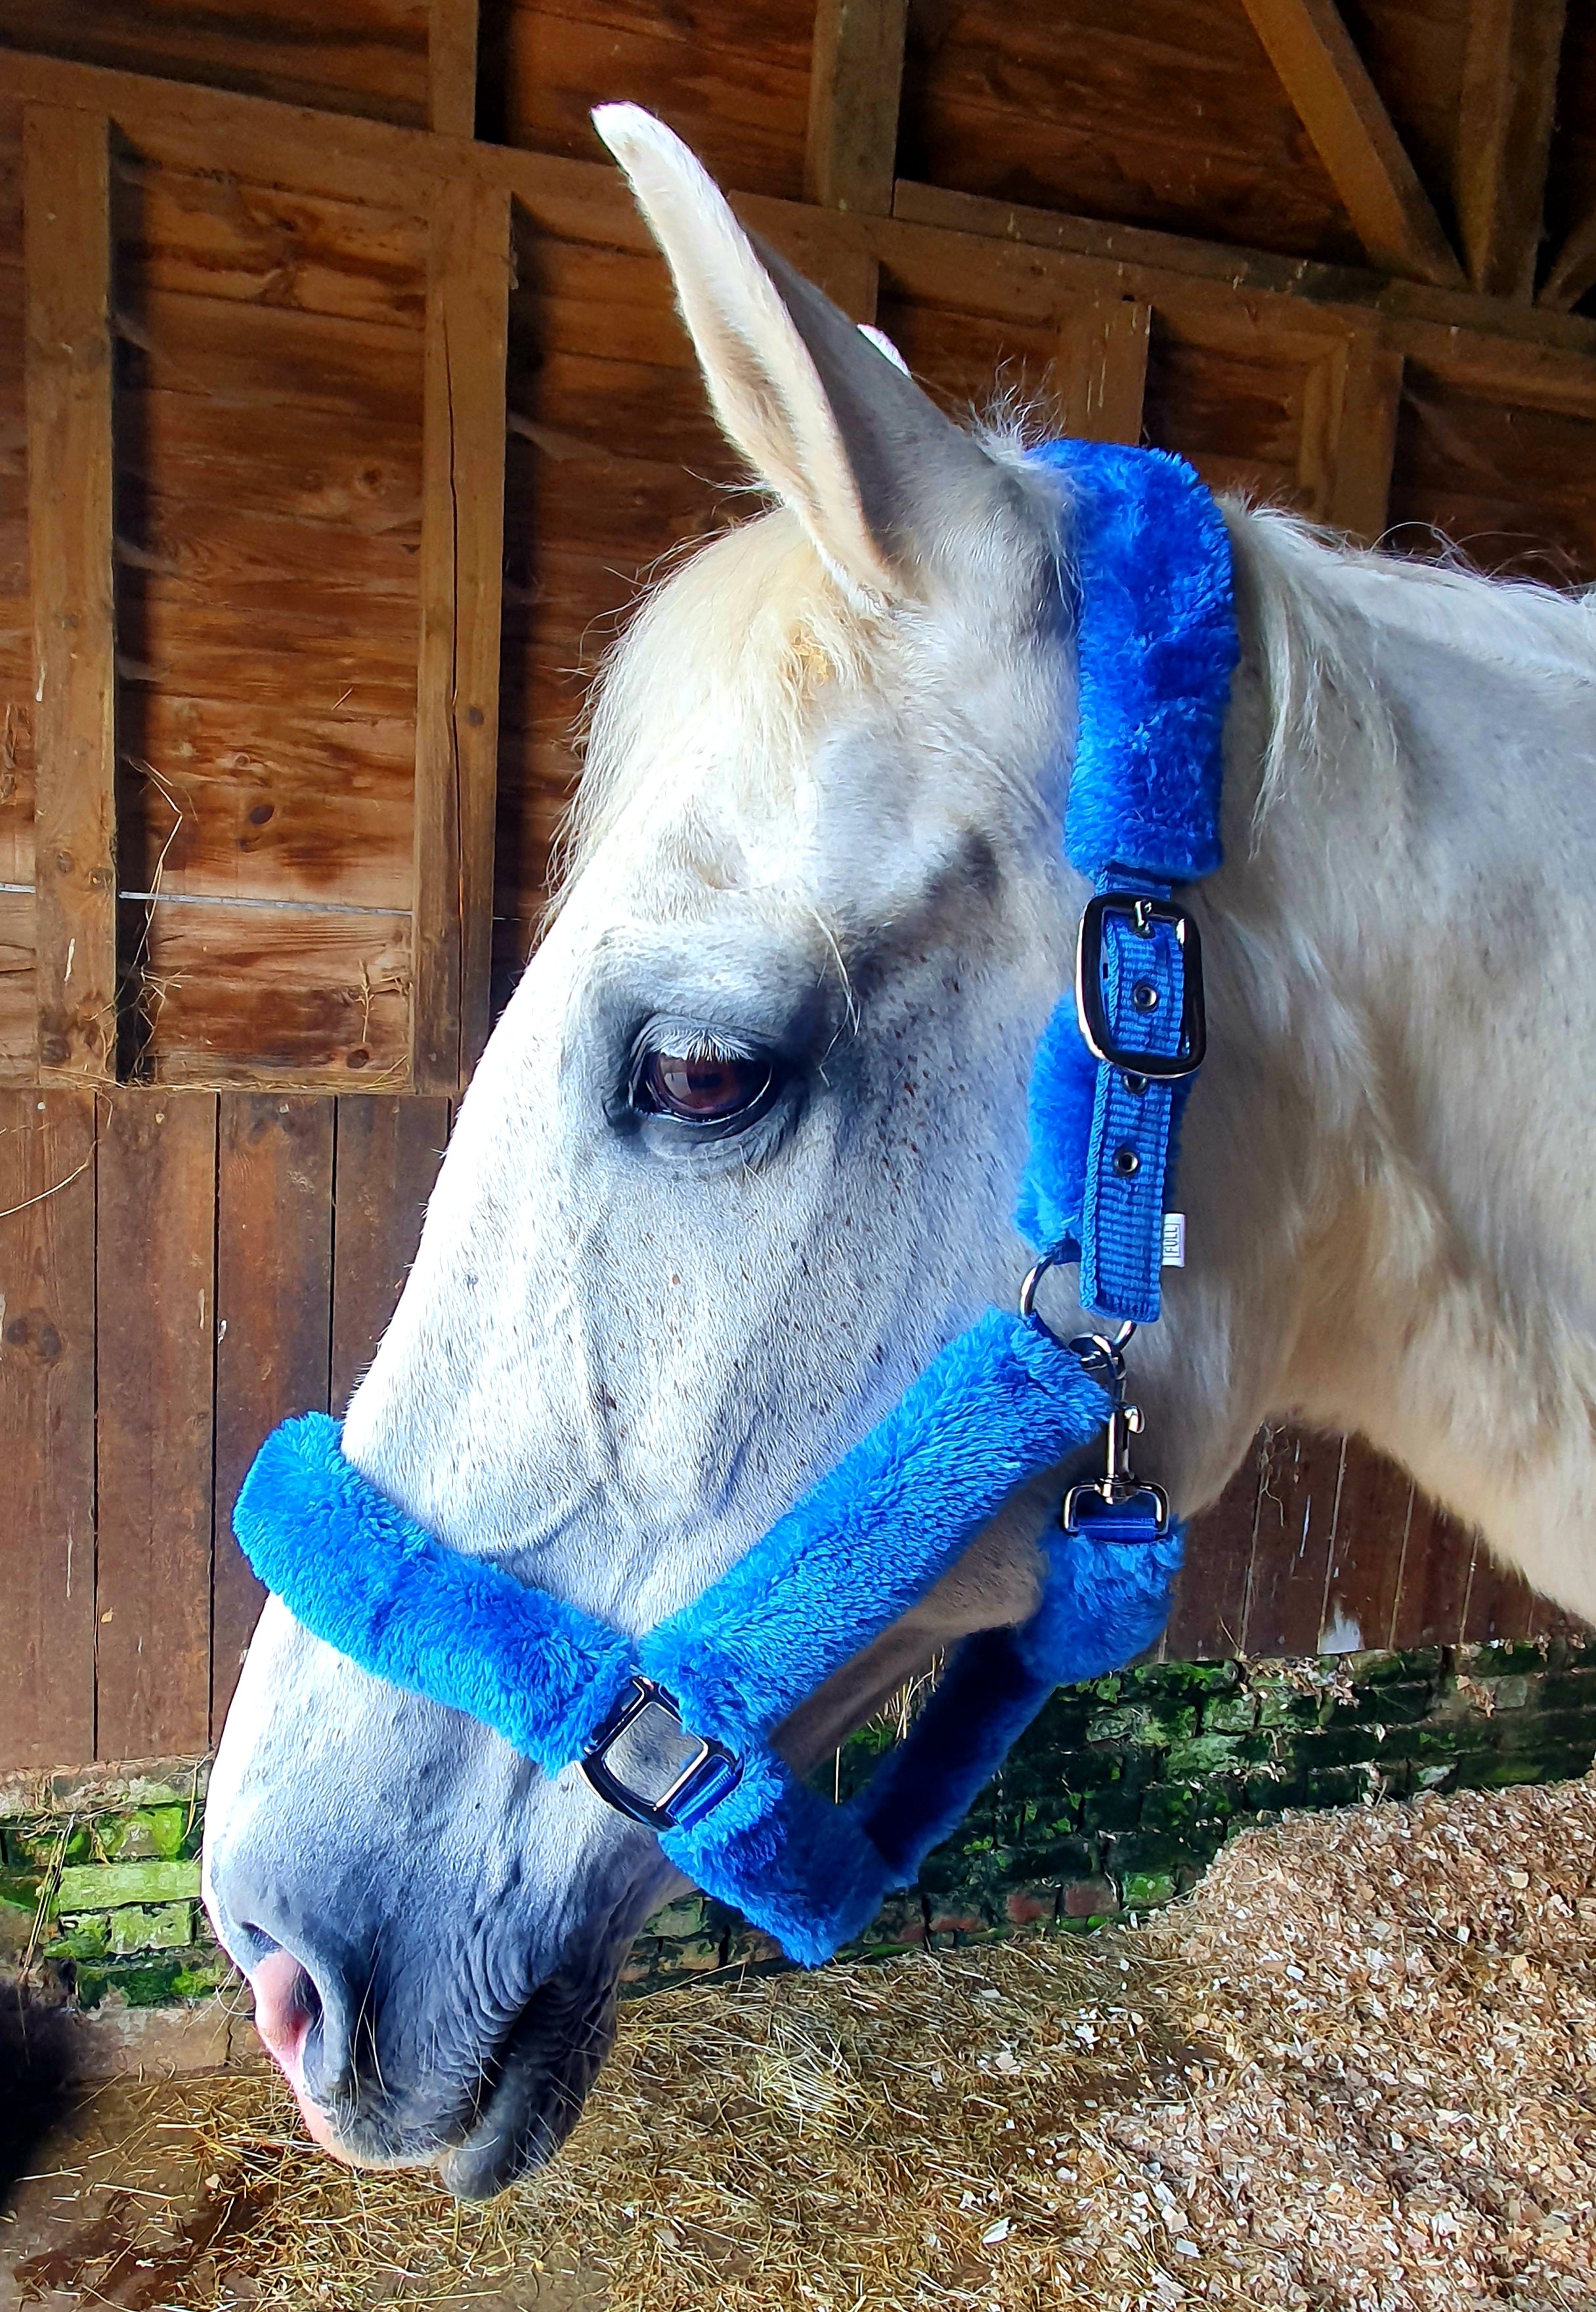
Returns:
(742, 1152)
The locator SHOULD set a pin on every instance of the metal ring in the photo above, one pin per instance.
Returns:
(1028, 1291)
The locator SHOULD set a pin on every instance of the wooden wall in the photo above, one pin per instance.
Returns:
(332, 451)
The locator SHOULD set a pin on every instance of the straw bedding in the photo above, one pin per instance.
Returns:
(1356, 2071)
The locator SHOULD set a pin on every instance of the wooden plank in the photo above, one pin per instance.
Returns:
(47, 1428)
(363, 55)
(734, 82)
(1103, 370)
(1296, 1524)
(1373, 1515)
(155, 1253)
(238, 994)
(1573, 269)
(457, 712)
(1208, 1617)
(855, 80)
(1362, 443)
(1434, 1585)
(18, 1033)
(388, 1154)
(274, 1307)
(1341, 109)
(66, 198)
(1504, 138)
(452, 66)
(1501, 1604)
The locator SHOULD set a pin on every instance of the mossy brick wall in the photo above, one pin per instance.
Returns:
(1115, 1801)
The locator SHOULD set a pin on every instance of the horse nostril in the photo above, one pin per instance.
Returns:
(287, 2004)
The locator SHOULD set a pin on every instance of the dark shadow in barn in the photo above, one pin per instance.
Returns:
(37, 2090)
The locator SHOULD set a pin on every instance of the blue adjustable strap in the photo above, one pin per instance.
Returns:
(1156, 645)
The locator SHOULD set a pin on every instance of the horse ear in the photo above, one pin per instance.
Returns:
(827, 418)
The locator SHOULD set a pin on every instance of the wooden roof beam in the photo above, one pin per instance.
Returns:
(1341, 109)
(1573, 269)
(1505, 137)
(855, 81)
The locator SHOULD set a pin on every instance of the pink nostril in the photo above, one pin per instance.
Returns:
(285, 2004)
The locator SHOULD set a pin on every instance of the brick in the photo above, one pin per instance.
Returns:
(106, 1885)
(1029, 1906)
(149, 1834)
(169, 1927)
(1090, 1899)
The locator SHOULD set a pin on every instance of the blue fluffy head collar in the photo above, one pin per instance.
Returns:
(1004, 1402)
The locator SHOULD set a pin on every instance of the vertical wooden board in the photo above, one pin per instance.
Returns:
(1434, 1585)
(856, 76)
(387, 1155)
(47, 1428)
(462, 550)
(1372, 1522)
(1102, 370)
(1296, 1522)
(1363, 440)
(155, 1252)
(1208, 1617)
(452, 66)
(1501, 1603)
(274, 1307)
(67, 221)
(16, 640)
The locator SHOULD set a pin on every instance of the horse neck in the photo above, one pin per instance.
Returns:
(1394, 919)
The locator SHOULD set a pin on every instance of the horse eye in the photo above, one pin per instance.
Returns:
(703, 1090)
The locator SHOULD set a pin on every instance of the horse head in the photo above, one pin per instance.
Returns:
(739, 1157)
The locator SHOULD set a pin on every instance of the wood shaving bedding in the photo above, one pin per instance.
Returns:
(1355, 2071)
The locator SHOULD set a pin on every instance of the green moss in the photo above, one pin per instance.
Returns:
(104, 1885)
(1144, 1890)
(150, 1833)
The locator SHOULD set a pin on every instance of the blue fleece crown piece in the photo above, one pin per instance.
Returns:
(1156, 644)
(1003, 1404)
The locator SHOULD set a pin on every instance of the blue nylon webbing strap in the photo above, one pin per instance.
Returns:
(1143, 993)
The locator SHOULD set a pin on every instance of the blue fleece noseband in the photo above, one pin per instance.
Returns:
(676, 1728)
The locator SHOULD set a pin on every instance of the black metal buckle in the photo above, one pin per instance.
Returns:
(709, 1775)
(1155, 1067)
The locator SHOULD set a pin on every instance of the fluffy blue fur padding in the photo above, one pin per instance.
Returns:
(366, 1579)
(1001, 1403)
(1155, 646)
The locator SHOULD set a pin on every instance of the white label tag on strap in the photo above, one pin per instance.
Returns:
(1174, 1241)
